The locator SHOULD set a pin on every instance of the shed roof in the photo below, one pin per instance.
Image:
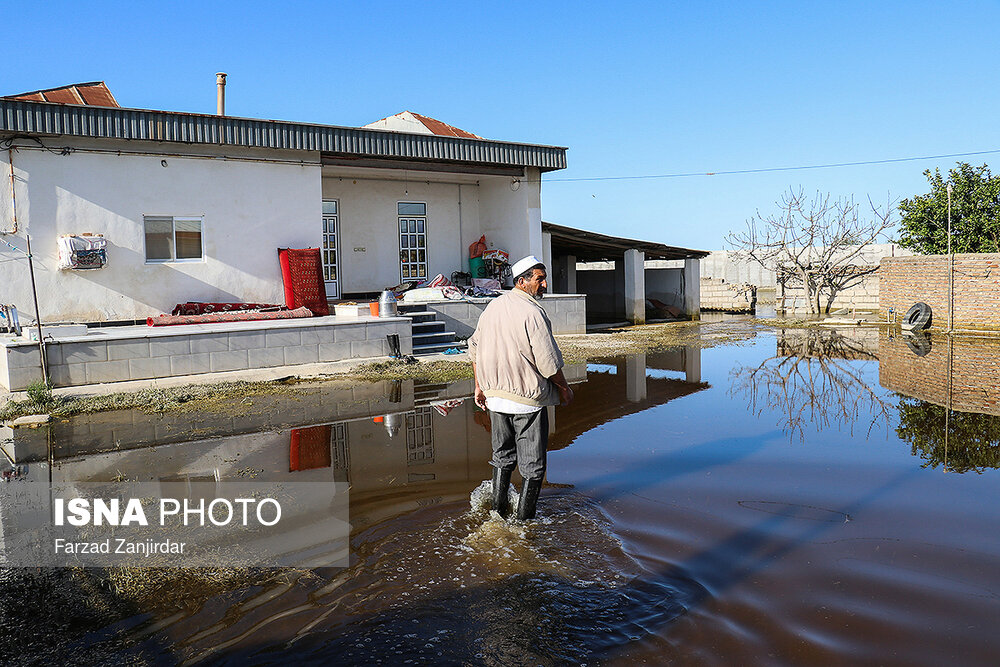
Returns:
(594, 247)
(92, 93)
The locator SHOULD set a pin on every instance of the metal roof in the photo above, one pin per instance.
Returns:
(95, 93)
(594, 247)
(43, 118)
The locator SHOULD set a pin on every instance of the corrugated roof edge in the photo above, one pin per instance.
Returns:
(26, 117)
(596, 244)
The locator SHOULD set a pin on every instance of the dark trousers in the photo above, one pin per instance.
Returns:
(520, 440)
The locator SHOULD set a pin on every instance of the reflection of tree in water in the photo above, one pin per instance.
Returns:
(973, 438)
(811, 380)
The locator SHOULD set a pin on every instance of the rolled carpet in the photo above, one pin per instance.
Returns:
(230, 316)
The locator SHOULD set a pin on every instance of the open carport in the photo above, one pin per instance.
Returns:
(618, 274)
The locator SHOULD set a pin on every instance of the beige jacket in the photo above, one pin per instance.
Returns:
(514, 351)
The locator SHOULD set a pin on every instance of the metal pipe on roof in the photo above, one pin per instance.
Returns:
(13, 193)
(220, 85)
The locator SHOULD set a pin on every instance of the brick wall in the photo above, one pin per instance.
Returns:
(975, 369)
(907, 280)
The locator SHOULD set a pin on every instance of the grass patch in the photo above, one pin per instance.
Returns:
(653, 337)
(395, 369)
(153, 399)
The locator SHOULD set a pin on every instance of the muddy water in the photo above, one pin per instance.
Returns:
(803, 498)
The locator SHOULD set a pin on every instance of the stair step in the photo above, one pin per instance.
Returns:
(420, 315)
(428, 327)
(437, 337)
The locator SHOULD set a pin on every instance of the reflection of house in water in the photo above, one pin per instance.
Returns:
(643, 380)
(399, 445)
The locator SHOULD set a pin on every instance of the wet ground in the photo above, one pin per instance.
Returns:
(802, 497)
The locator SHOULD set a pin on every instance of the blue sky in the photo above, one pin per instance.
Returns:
(631, 88)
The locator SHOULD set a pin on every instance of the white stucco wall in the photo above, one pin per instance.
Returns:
(252, 202)
(458, 213)
(511, 214)
(369, 232)
(250, 208)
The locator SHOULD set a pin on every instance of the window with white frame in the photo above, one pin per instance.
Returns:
(412, 240)
(173, 238)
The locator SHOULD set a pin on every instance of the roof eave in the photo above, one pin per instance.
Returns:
(46, 118)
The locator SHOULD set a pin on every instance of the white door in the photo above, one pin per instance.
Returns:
(330, 249)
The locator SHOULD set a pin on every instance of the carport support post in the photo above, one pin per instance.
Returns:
(635, 286)
(691, 285)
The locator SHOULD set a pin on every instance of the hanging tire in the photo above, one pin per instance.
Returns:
(918, 317)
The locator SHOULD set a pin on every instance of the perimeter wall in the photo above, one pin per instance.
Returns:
(907, 280)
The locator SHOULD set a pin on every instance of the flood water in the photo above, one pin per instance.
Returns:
(807, 497)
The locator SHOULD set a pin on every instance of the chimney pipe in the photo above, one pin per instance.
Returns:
(220, 82)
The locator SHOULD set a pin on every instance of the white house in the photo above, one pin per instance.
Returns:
(194, 207)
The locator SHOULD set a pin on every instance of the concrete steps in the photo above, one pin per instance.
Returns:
(429, 335)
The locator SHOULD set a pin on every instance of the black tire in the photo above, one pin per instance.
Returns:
(918, 317)
(919, 344)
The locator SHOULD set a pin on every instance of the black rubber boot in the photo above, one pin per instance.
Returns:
(501, 480)
(529, 498)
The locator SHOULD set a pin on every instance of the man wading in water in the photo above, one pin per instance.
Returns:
(518, 370)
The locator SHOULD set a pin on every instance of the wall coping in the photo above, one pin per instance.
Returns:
(104, 334)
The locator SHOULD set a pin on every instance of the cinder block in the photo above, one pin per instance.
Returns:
(349, 332)
(338, 351)
(18, 379)
(169, 346)
(246, 340)
(108, 371)
(368, 348)
(218, 342)
(80, 353)
(283, 338)
(269, 357)
(23, 357)
(150, 367)
(301, 354)
(190, 364)
(230, 360)
(317, 335)
(54, 353)
(68, 375)
(128, 349)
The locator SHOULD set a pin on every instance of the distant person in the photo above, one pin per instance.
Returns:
(518, 369)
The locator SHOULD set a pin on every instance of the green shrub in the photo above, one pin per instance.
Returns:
(39, 393)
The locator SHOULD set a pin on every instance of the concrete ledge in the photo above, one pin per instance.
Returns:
(120, 354)
(567, 312)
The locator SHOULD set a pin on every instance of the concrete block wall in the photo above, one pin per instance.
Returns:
(864, 295)
(717, 294)
(907, 280)
(566, 312)
(140, 355)
(975, 368)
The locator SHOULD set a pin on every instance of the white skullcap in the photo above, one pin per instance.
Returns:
(523, 265)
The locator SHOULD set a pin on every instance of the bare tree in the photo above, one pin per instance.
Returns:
(816, 243)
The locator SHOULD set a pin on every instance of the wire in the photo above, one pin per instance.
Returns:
(770, 169)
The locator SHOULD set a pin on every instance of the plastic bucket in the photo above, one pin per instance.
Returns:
(373, 306)
(477, 267)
